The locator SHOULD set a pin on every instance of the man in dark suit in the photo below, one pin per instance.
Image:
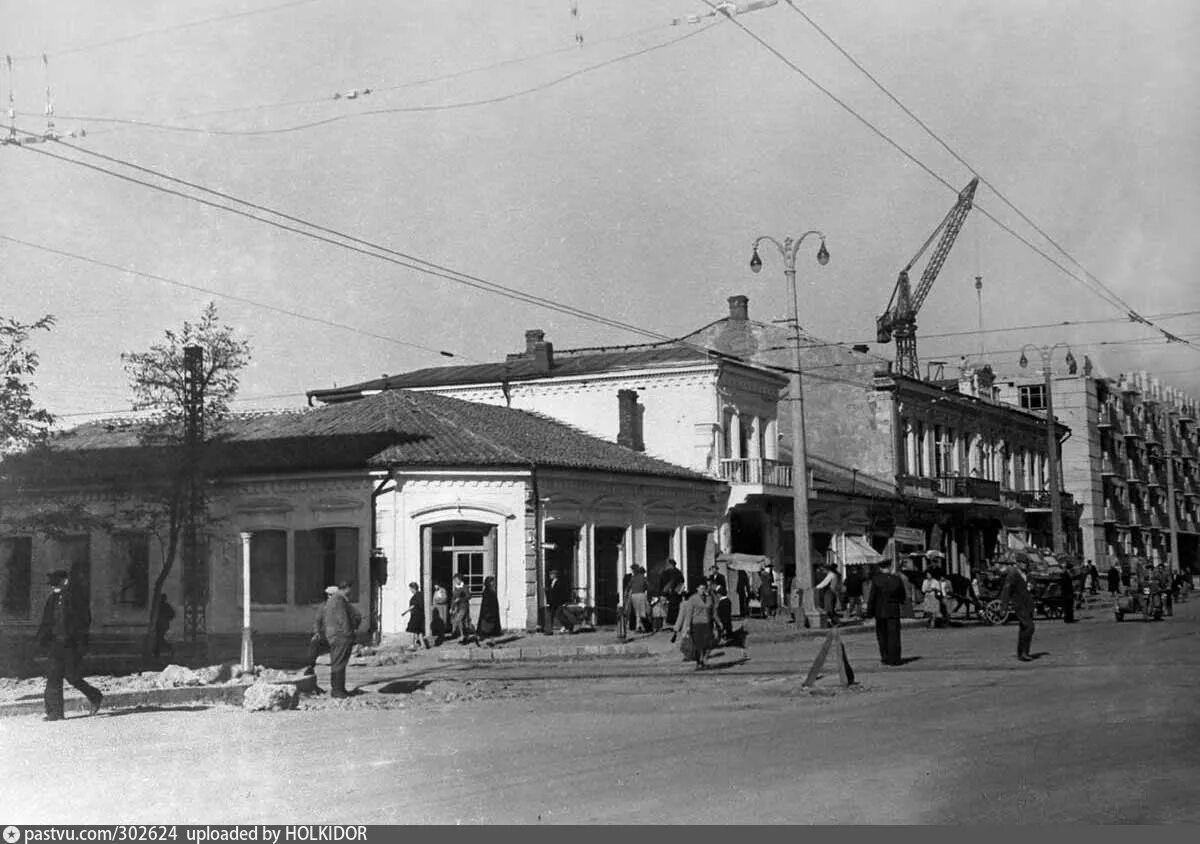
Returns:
(64, 633)
(1016, 592)
(886, 598)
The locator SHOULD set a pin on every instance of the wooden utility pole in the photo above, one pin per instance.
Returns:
(195, 572)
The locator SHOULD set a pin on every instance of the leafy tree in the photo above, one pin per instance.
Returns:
(174, 497)
(22, 422)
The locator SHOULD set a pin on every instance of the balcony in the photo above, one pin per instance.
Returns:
(1131, 427)
(1033, 501)
(1108, 417)
(757, 471)
(914, 486)
(1133, 472)
(974, 489)
(1108, 466)
(1115, 514)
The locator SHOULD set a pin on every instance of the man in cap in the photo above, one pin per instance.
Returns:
(886, 598)
(340, 620)
(64, 633)
(1016, 592)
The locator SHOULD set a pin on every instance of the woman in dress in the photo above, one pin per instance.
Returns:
(489, 611)
(696, 621)
(931, 603)
(441, 613)
(416, 617)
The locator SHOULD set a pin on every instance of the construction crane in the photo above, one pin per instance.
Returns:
(900, 318)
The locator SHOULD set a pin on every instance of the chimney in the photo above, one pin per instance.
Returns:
(538, 350)
(629, 416)
(739, 308)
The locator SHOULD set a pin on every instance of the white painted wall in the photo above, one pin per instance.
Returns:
(683, 405)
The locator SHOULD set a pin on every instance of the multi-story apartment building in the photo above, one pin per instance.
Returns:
(1133, 462)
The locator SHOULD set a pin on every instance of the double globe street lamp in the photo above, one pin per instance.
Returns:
(1057, 543)
(800, 530)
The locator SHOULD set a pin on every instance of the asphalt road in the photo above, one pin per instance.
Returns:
(1102, 728)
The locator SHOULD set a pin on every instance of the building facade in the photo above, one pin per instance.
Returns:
(392, 489)
(1133, 463)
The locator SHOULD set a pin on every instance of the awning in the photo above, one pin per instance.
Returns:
(859, 553)
(743, 562)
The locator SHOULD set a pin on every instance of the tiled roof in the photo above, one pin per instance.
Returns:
(565, 363)
(394, 428)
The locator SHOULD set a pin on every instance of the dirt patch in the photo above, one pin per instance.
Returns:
(405, 694)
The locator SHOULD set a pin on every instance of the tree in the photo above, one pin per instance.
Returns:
(22, 422)
(172, 503)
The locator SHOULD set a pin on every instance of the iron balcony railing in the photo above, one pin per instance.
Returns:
(757, 472)
(956, 486)
(1040, 500)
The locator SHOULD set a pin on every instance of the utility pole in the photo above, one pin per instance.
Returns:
(195, 579)
(801, 534)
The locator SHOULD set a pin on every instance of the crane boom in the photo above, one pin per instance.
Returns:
(900, 318)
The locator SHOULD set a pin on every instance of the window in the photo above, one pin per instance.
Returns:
(465, 550)
(268, 567)
(16, 575)
(131, 563)
(324, 557)
(1033, 396)
(942, 446)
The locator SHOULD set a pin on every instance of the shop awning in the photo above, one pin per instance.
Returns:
(859, 553)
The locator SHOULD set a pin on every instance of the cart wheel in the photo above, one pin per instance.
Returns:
(1055, 612)
(992, 613)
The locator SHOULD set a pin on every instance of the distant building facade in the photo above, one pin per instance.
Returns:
(1133, 462)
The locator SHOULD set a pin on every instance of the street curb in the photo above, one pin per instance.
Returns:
(209, 695)
(544, 652)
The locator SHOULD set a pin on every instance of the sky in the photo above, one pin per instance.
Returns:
(612, 161)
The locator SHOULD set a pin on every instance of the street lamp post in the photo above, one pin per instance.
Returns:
(1056, 518)
(247, 642)
(800, 530)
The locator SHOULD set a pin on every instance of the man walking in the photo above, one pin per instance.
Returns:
(1016, 592)
(64, 632)
(1114, 581)
(886, 598)
(1067, 587)
(340, 620)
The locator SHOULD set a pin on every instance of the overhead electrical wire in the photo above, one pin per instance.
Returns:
(231, 296)
(412, 262)
(1100, 291)
(124, 39)
(435, 107)
(347, 241)
(1116, 299)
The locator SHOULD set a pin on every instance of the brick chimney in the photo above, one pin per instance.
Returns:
(629, 415)
(739, 308)
(538, 350)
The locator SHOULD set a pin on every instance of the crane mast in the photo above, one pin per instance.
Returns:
(900, 318)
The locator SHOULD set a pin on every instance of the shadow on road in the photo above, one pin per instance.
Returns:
(403, 687)
(140, 710)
